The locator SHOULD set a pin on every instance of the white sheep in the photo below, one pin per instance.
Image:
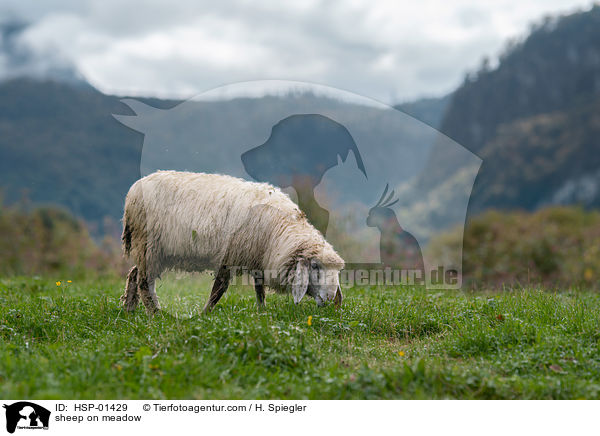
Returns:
(197, 222)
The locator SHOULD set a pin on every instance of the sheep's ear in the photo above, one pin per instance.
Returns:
(300, 282)
(337, 299)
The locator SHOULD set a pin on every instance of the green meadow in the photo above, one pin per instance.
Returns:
(61, 339)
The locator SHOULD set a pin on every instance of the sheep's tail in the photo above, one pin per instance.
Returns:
(126, 236)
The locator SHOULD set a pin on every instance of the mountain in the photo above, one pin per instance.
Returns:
(550, 158)
(533, 119)
(555, 68)
(431, 111)
(59, 144)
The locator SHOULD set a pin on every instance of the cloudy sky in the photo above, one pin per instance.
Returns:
(388, 50)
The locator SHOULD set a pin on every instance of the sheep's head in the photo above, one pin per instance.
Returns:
(319, 277)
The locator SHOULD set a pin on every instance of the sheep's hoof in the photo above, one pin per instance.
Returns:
(207, 309)
(154, 311)
(127, 306)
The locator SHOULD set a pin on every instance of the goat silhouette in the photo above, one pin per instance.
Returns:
(398, 249)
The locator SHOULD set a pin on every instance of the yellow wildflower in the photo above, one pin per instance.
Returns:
(309, 321)
(58, 283)
(401, 353)
(69, 281)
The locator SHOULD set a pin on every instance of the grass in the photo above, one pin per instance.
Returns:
(74, 341)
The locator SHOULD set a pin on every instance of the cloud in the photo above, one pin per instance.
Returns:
(21, 57)
(387, 50)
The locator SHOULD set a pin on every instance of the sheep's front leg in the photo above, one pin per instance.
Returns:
(130, 297)
(218, 289)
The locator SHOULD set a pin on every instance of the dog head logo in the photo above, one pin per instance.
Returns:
(26, 415)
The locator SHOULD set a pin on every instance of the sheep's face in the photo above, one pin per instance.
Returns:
(318, 280)
(324, 282)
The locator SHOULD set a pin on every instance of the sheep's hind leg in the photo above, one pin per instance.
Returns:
(148, 294)
(260, 290)
(130, 297)
(260, 294)
(218, 289)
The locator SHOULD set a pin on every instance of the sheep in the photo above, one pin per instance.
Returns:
(197, 221)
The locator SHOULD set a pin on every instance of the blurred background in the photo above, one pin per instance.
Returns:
(516, 83)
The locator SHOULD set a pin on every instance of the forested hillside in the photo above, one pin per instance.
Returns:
(59, 144)
(534, 119)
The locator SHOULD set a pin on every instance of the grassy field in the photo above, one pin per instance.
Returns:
(72, 340)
